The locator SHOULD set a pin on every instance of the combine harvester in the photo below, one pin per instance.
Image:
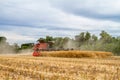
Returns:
(39, 47)
(43, 46)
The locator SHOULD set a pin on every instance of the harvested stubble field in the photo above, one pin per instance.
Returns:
(27, 67)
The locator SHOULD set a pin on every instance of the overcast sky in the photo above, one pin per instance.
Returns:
(27, 20)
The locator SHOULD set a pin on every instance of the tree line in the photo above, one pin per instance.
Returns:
(82, 41)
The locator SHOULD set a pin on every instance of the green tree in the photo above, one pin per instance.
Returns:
(105, 37)
(26, 46)
(41, 40)
(3, 39)
(87, 36)
(116, 48)
(49, 38)
(82, 37)
(94, 38)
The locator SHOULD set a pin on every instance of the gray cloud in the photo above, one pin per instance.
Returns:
(26, 13)
(98, 9)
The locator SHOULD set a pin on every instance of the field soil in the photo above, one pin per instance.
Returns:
(27, 67)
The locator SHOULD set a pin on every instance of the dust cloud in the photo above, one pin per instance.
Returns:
(26, 52)
(70, 45)
(6, 49)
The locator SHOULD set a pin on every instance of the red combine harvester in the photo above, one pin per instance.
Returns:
(39, 47)
(45, 46)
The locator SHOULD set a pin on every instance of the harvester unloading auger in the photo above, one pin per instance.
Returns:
(45, 46)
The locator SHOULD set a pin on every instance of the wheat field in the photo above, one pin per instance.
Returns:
(77, 54)
(27, 67)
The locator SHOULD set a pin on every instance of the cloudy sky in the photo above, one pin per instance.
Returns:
(27, 20)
